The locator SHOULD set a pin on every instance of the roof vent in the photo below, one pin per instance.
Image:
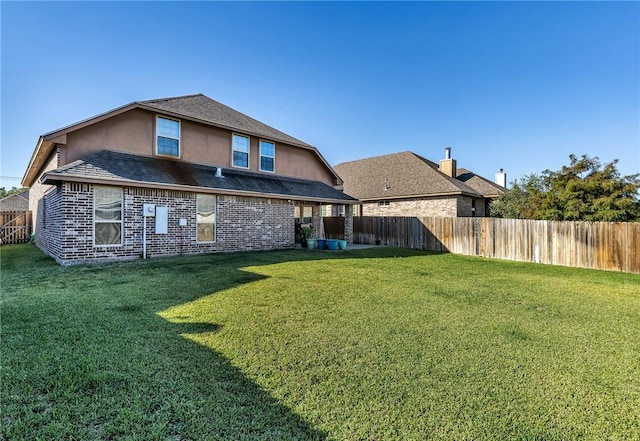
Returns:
(219, 172)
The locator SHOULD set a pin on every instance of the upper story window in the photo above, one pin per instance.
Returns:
(240, 147)
(267, 156)
(167, 137)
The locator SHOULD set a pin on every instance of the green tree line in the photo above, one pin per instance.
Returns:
(4, 192)
(584, 190)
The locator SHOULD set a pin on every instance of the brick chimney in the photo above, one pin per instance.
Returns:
(448, 165)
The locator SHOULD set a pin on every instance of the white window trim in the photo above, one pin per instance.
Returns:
(215, 223)
(248, 153)
(178, 138)
(266, 156)
(94, 221)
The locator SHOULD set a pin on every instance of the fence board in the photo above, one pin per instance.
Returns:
(598, 245)
(16, 226)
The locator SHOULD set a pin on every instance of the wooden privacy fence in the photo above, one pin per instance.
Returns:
(333, 227)
(597, 245)
(15, 226)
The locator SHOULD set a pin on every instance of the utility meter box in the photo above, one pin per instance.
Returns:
(162, 220)
(148, 210)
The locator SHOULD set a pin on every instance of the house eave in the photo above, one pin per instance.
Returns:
(38, 158)
(52, 179)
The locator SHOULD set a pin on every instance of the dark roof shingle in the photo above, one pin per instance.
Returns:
(205, 109)
(482, 185)
(124, 168)
(398, 175)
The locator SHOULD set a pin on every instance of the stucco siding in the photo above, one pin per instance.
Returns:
(38, 190)
(134, 132)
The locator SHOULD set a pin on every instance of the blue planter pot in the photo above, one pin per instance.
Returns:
(332, 244)
(322, 244)
(342, 244)
(311, 244)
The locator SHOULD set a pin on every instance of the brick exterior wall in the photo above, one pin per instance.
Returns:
(443, 206)
(348, 223)
(65, 225)
(47, 220)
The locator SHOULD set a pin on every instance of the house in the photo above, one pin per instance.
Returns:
(171, 176)
(406, 184)
(15, 202)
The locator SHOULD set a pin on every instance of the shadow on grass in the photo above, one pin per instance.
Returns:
(86, 355)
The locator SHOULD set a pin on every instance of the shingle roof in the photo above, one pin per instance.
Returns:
(482, 185)
(127, 169)
(398, 175)
(195, 107)
(16, 201)
(205, 109)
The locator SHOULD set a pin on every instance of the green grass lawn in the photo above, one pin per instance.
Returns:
(373, 344)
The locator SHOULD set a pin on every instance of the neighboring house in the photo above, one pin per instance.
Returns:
(15, 202)
(406, 184)
(488, 189)
(211, 179)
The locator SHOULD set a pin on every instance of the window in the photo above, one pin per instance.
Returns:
(206, 218)
(303, 214)
(167, 137)
(44, 212)
(383, 204)
(267, 156)
(240, 147)
(107, 216)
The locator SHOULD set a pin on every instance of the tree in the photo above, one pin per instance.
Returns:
(584, 190)
(4, 192)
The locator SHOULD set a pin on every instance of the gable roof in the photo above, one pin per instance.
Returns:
(204, 109)
(198, 108)
(482, 185)
(398, 175)
(15, 201)
(124, 169)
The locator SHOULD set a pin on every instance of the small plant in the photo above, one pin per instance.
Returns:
(308, 232)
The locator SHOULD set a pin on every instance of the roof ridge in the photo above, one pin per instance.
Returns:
(428, 161)
(376, 157)
(170, 98)
(281, 136)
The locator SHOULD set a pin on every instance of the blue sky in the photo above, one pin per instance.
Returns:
(518, 86)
